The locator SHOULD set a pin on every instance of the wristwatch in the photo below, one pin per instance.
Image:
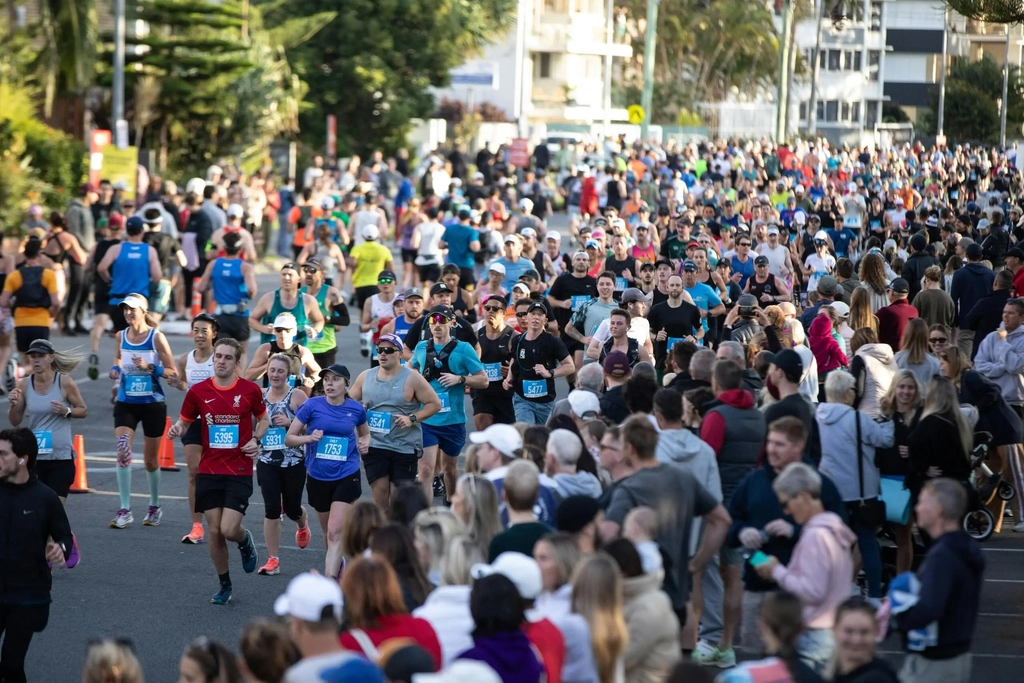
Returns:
(462, 379)
(68, 414)
(413, 419)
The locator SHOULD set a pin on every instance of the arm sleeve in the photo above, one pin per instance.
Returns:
(13, 282)
(810, 589)
(50, 281)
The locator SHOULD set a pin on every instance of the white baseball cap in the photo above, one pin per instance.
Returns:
(799, 217)
(195, 186)
(136, 301)
(521, 569)
(497, 268)
(370, 232)
(307, 596)
(841, 309)
(327, 203)
(799, 189)
(773, 230)
(554, 235)
(528, 232)
(584, 404)
(235, 211)
(504, 438)
(526, 204)
(285, 320)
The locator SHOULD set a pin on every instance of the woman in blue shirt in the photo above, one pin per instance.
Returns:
(334, 431)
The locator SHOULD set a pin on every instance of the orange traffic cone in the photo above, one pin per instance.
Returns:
(167, 463)
(197, 298)
(81, 484)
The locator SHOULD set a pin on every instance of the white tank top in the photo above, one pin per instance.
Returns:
(380, 309)
(197, 372)
(776, 258)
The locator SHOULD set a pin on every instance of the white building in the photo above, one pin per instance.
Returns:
(549, 69)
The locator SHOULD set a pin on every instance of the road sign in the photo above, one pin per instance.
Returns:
(519, 153)
(476, 74)
(636, 114)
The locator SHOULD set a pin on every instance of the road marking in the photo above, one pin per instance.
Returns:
(1004, 580)
(974, 655)
(1004, 550)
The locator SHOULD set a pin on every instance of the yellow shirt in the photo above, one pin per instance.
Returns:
(31, 317)
(370, 260)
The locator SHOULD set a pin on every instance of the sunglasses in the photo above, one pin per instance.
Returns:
(283, 329)
(744, 244)
(385, 281)
(437, 319)
(386, 350)
(938, 340)
(310, 270)
(521, 314)
(493, 309)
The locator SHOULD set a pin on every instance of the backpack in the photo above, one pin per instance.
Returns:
(633, 353)
(32, 293)
(436, 362)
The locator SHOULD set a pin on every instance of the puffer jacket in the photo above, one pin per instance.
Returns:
(826, 350)
(873, 367)
(653, 649)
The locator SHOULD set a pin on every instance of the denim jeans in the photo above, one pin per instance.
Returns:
(531, 412)
(815, 648)
(870, 554)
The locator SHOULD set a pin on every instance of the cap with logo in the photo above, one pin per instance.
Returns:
(413, 291)
(689, 266)
(446, 311)
(761, 261)
(285, 321)
(899, 286)
(440, 288)
(616, 364)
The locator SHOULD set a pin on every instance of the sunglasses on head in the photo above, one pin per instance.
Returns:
(385, 281)
(437, 319)
(386, 350)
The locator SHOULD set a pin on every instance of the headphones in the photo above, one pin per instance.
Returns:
(22, 461)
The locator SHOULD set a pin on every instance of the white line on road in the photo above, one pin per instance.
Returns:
(974, 655)
(1004, 580)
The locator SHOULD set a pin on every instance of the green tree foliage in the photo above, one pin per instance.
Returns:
(67, 36)
(373, 65)
(996, 11)
(706, 51)
(973, 91)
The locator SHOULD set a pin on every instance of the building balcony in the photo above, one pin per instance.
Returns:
(573, 36)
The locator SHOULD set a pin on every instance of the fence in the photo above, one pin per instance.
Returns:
(738, 119)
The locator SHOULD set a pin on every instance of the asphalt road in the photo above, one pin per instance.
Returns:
(143, 584)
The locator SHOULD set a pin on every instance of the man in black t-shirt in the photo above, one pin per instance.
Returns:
(569, 292)
(169, 253)
(674, 320)
(462, 329)
(784, 375)
(621, 264)
(538, 357)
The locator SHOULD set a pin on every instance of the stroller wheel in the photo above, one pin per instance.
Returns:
(1006, 491)
(979, 524)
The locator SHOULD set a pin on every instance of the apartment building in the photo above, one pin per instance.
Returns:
(550, 68)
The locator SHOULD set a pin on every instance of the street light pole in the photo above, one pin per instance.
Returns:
(609, 35)
(117, 96)
(812, 106)
(650, 38)
(781, 113)
(1006, 80)
(942, 75)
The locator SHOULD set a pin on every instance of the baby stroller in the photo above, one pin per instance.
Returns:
(984, 484)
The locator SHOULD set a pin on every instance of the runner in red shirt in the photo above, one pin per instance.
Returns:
(227, 406)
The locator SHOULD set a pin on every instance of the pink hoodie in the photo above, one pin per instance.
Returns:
(825, 348)
(820, 572)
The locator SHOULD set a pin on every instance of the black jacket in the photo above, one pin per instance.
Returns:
(613, 405)
(875, 671)
(951, 578)
(986, 316)
(30, 514)
(913, 270)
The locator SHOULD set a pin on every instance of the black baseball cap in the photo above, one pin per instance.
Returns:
(530, 274)
(386, 274)
(446, 311)
(337, 369)
(1016, 253)
(313, 263)
(761, 261)
(789, 362)
(664, 262)
(290, 265)
(41, 346)
(206, 318)
(900, 286)
(646, 265)
(440, 288)
(537, 306)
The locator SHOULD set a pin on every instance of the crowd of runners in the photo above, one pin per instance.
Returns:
(660, 447)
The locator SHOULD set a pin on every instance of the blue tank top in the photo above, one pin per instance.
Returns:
(229, 284)
(130, 272)
(136, 386)
(402, 327)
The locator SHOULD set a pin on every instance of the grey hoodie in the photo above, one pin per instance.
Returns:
(837, 427)
(684, 449)
(578, 484)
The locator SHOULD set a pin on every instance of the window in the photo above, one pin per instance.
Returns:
(544, 65)
(870, 115)
(832, 110)
(821, 110)
(803, 111)
(855, 112)
(856, 61)
(845, 111)
(874, 56)
(833, 60)
(875, 16)
(847, 60)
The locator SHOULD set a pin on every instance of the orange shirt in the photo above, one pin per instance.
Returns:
(294, 216)
(31, 317)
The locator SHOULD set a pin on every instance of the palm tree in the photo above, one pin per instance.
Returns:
(68, 30)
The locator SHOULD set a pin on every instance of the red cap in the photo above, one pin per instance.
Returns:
(116, 220)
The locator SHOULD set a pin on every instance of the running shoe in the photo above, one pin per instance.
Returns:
(271, 568)
(439, 490)
(302, 536)
(196, 536)
(153, 516)
(705, 653)
(74, 557)
(94, 371)
(726, 659)
(250, 558)
(123, 519)
(222, 597)
(1019, 527)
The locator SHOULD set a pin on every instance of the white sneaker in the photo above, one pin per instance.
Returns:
(1019, 527)
(704, 653)
(123, 519)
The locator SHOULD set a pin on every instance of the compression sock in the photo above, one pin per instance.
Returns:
(225, 579)
(124, 486)
(153, 478)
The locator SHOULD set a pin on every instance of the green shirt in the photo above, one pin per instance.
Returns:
(518, 538)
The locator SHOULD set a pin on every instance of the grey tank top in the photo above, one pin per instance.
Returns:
(383, 401)
(53, 432)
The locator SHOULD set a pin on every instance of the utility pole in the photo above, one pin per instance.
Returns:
(781, 113)
(650, 38)
(117, 96)
(1006, 80)
(609, 37)
(942, 75)
(812, 106)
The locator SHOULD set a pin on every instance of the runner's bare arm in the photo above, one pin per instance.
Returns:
(79, 409)
(262, 309)
(425, 394)
(258, 367)
(314, 317)
(355, 392)
(249, 275)
(163, 351)
(103, 269)
(204, 281)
